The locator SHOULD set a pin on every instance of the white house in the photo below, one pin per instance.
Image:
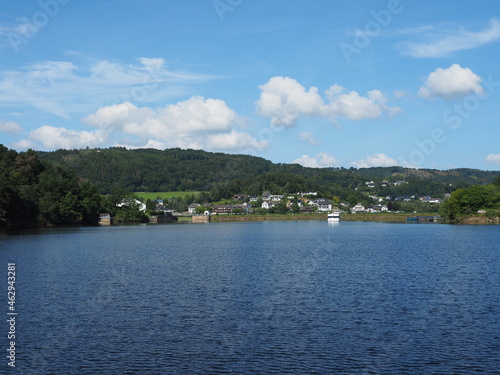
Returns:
(277, 197)
(358, 208)
(435, 200)
(128, 202)
(269, 204)
(266, 195)
(323, 204)
(303, 194)
(378, 208)
(192, 208)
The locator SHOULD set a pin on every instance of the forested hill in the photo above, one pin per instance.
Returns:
(175, 169)
(451, 176)
(34, 191)
(196, 170)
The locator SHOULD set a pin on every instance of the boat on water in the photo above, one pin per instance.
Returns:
(333, 217)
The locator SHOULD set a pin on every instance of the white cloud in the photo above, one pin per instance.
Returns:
(24, 144)
(400, 94)
(309, 137)
(493, 158)
(65, 89)
(232, 141)
(322, 160)
(11, 127)
(119, 116)
(197, 123)
(193, 123)
(451, 83)
(356, 107)
(52, 138)
(376, 160)
(283, 100)
(454, 40)
(151, 143)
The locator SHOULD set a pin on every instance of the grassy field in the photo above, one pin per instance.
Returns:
(164, 194)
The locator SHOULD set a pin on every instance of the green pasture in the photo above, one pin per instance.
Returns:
(164, 194)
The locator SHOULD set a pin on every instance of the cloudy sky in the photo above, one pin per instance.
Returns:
(321, 83)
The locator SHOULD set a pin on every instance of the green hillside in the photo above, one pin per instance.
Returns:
(151, 170)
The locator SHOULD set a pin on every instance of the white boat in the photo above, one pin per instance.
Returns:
(334, 217)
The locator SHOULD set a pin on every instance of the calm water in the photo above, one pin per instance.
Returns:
(256, 298)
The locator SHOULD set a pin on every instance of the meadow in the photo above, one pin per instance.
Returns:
(164, 194)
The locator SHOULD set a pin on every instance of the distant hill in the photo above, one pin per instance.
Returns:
(451, 176)
(180, 170)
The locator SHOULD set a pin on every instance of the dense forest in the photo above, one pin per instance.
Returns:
(457, 176)
(224, 174)
(34, 191)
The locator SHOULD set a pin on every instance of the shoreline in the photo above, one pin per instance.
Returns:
(229, 218)
(388, 218)
(381, 218)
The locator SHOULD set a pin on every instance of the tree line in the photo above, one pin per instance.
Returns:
(152, 170)
(34, 191)
(467, 202)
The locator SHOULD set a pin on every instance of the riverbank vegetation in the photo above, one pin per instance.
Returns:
(473, 202)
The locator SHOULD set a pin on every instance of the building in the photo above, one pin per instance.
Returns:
(192, 208)
(230, 208)
(324, 205)
(307, 210)
(435, 200)
(240, 197)
(378, 208)
(357, 209)
(269, 204)
(303, 194)
(130, 202)
(105, 219)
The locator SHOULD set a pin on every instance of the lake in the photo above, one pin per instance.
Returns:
(304, 297)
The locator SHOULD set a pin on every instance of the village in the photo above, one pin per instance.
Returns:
(308, 202)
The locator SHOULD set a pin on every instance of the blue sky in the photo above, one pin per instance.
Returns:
(324, 83)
